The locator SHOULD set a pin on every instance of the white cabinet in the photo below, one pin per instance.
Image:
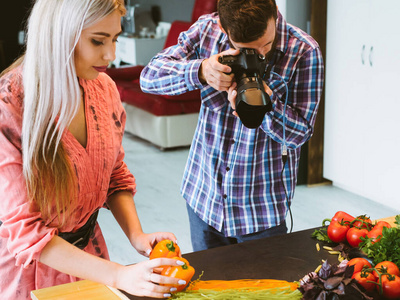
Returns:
(362, 102)
(137, 51)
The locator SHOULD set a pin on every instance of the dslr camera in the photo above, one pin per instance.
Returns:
(252, 101)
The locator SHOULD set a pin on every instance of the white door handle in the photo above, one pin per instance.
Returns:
(362, 54)
(371, 56)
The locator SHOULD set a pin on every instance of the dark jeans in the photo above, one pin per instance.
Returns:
(204, 236)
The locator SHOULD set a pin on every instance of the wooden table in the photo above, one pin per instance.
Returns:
(287, 257)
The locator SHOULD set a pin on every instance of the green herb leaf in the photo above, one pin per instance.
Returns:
(321, 235)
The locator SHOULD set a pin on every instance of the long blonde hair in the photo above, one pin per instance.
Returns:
(52, 98)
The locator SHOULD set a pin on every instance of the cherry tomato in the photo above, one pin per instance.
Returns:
(353, 235)
(358, 264)
(387, 266)
(391, 286)
(337, 232)
(366, 279)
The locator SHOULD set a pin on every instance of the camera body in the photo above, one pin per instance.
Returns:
(252, 101)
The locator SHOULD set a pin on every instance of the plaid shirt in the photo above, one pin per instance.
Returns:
(232, 178)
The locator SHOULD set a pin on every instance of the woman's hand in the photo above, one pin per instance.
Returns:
(145, 242)
(141, 280)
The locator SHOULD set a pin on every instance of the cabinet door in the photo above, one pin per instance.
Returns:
(347, 85)
(383, 126)
(362, 127)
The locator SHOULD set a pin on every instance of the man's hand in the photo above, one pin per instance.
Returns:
(216, 74)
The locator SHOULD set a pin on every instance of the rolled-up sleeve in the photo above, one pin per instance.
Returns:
(121, 178)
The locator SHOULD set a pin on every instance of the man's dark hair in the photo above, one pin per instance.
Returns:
(246, 20)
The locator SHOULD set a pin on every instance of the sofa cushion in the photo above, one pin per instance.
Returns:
(158, 105)
(125, 73)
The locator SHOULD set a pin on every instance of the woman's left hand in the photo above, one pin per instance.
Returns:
(145, 242)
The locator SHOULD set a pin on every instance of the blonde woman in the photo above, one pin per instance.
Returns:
(61, 159)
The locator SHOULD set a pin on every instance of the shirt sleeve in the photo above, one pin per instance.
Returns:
(303, 97)
(175, 70)
(22, 227)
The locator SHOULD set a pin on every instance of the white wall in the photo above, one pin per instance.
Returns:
(296, 12)
(171, 10)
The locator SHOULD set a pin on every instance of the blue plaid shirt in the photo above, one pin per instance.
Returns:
(232, 178)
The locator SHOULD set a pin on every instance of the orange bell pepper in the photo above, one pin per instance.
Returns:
(165, 248)
(184, 272)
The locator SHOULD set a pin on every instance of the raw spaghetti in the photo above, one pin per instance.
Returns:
(241, 289)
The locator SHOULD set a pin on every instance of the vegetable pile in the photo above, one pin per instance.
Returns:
(373, 253)
(331, 282)
(368, 269)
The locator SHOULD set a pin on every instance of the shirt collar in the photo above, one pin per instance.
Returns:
(282, 33)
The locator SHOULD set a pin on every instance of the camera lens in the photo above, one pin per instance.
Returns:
(252, 102)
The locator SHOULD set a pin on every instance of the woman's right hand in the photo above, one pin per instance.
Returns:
(141, 280)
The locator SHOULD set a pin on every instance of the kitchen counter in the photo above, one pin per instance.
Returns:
(287, 257)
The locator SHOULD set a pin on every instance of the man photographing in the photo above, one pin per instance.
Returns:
(238, 181)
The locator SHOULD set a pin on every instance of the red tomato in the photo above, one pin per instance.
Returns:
(391, 286)
(342, 216)
(362, 222)
(337, 232)
(375, 234)
(358, 264)
(381, 224)
(353, 235)
(366, 279)
(387, 266)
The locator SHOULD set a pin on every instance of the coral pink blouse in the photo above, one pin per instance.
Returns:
(100, 172)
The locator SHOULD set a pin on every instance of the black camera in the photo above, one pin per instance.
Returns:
(252, 101)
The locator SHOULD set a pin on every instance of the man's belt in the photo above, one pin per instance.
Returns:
(81, 237)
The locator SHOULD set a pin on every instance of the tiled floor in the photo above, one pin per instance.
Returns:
(161, 207)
